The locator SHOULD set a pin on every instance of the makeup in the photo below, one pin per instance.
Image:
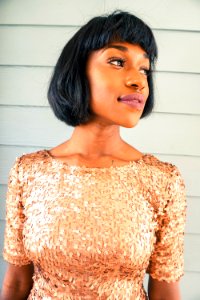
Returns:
(134, 100)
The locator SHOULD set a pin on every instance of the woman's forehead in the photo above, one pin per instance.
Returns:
(126, 47)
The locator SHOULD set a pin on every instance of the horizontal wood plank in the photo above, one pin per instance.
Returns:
(159, 133)
(2, 228)
(23, 45)
(34, 127)
(166, 134)
(172, 57)
(30, 84)
(58, 13)
(173, 95)
(179, 14)
(78, 12)
(190, 289)
(192, 217)
(3, 267)
(192, 250)
(3, 191)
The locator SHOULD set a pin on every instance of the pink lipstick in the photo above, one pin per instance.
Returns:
(134, 100)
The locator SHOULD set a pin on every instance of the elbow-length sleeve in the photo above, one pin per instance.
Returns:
(167, 259)
(13, 250)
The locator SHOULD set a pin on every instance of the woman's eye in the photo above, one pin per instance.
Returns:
(119, 62)
(146, 71)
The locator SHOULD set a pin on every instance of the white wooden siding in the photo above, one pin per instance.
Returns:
(169, 137)
(31, 40)
(175, 15)
(35, 79)
(24, 45)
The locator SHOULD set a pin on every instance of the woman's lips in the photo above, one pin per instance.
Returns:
(134, 100)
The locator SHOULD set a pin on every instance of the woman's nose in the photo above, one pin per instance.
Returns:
(134, 79)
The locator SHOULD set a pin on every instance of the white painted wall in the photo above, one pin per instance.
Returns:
(32, 34)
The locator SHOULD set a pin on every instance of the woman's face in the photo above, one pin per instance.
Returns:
(118, 70)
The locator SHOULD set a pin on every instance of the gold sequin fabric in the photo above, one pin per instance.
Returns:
(93, 233)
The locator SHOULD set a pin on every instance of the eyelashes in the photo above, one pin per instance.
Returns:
(120, 62)
(147, 71)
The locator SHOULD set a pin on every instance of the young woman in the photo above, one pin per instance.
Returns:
(88, 218)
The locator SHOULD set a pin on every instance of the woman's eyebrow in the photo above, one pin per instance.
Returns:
(119, 47)
(122, 48)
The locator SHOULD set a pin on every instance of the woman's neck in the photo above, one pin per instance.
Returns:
(94, 140)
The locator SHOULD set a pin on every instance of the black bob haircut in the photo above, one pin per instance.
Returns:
(68, 92)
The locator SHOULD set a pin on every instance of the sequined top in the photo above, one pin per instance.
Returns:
(92, 233)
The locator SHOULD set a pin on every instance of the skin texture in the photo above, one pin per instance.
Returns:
(111, 73)
(111, 78)
(99, 141)
(17, 282)
(158, 290)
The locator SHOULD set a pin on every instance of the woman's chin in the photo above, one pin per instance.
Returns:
(130, 123)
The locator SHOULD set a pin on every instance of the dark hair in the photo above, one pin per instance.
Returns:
(68, 92)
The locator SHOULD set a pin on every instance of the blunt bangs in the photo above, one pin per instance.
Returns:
(121, 27)
(68, 92)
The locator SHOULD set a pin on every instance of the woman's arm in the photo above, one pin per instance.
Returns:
(17, 282)
(160, 290)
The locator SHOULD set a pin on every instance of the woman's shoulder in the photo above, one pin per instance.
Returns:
(32, 157)
(149, 161)
(161, 172)
(165, 182)
(32, 162)
(28, 164)
(160, 165)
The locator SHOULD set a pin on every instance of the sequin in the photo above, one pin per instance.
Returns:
(92, 233)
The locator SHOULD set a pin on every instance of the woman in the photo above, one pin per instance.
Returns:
(88, 218)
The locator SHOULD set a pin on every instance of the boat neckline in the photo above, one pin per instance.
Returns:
(129, 163)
